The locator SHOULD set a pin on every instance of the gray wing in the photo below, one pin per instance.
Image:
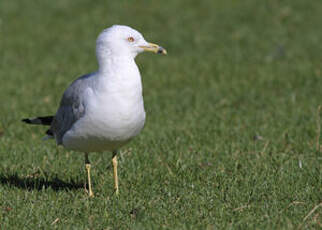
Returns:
(71, 107)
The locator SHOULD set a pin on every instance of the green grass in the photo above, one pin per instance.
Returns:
(235, 70)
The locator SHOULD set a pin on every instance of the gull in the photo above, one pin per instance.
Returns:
(104, 110)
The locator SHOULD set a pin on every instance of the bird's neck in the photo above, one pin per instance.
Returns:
(119, 74)
(114, 65)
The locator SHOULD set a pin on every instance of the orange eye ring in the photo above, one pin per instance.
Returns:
(130, 39)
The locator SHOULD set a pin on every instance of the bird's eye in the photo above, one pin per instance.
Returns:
(130, 39)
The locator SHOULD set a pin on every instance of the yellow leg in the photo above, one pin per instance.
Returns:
(116, 182)
(88, 168)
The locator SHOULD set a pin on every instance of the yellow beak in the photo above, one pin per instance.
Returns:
(154, 48)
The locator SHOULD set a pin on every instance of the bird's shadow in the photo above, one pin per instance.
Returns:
(39, 183)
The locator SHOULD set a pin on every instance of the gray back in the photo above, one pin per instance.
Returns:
(71, 106)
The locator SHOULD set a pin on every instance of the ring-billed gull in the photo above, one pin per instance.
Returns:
(104, 110)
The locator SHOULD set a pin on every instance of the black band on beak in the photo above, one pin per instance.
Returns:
(161, 50)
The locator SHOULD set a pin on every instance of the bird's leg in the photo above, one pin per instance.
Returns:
(88, 168)
(116, 182)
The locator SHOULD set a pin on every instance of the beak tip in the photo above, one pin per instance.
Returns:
(154, 48)
(161, 50)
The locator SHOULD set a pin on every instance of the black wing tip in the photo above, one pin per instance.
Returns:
(39, 120)
(26, 120)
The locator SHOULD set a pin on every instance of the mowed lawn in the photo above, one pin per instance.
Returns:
(233, 133)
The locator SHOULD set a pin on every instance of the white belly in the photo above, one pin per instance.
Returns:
(110, 121)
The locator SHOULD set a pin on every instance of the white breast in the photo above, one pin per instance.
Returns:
(114, 113)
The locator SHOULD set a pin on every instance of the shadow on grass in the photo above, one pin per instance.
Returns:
(30, 183)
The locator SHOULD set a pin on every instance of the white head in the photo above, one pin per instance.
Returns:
(123, 41)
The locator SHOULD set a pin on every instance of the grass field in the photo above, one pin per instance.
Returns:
(232, 139)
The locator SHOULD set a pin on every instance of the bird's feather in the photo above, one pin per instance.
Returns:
(71, 107)
(47, 120)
